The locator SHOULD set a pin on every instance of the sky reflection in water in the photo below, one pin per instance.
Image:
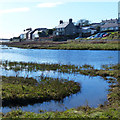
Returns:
(94, 89)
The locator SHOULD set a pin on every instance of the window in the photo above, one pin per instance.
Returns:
(116, 28)
(119, 15)
(111, 28)
(103, 29)
(57, 33)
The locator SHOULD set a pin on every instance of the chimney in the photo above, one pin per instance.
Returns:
(70, 20)
(61, 21)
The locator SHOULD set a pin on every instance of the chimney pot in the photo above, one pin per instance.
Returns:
(61, 21)
(70, 20)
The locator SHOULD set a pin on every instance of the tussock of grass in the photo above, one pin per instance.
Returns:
(17, 91)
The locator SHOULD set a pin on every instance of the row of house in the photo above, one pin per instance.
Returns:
(69, 28)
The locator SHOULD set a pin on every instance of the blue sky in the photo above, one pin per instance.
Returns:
(17, 15)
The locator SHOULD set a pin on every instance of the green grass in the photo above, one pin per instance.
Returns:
(108, 111)
(89, 46)
(83, 112)
(77, 46)
(82, 44)
(23, 91)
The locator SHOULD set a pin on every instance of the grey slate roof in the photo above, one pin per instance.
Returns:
(111, 20)
(62, 25)
(109, 25)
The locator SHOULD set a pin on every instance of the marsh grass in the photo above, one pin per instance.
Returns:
(83, 112)
(108, 111)
(49, 88)
(107, 70)
(19, 66)
(71, 45)
(89, 46)
(23, 91)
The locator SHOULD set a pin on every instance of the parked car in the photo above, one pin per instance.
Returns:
(101, 35)
(107, 34)
(91, 37)
(97, 35)
(78, 38)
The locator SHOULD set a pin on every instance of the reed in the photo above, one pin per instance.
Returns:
(51, 87)
(23, 91)
(106, 70)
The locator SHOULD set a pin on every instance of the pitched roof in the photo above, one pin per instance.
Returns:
(37, 29)
(95, 25)
(62, 25)
(109, 25)
(111, 20)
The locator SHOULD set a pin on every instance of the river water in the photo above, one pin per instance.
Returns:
(93, 89)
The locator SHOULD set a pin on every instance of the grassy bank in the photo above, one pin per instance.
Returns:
(70, 45)
(80, 113)
(109, 111)
(89, 46)
(23, 91)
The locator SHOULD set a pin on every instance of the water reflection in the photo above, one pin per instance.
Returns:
(93, 92)
(76, 57)
(94, 89)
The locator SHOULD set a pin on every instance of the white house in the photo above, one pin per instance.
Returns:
(35, 35)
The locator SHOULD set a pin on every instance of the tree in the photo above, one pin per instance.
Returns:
(42, 34)
(98, 28)
(50, 31)
(83, 22)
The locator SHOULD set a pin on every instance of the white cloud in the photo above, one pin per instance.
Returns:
(25, 9)
(48, 5)
(54, 3)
